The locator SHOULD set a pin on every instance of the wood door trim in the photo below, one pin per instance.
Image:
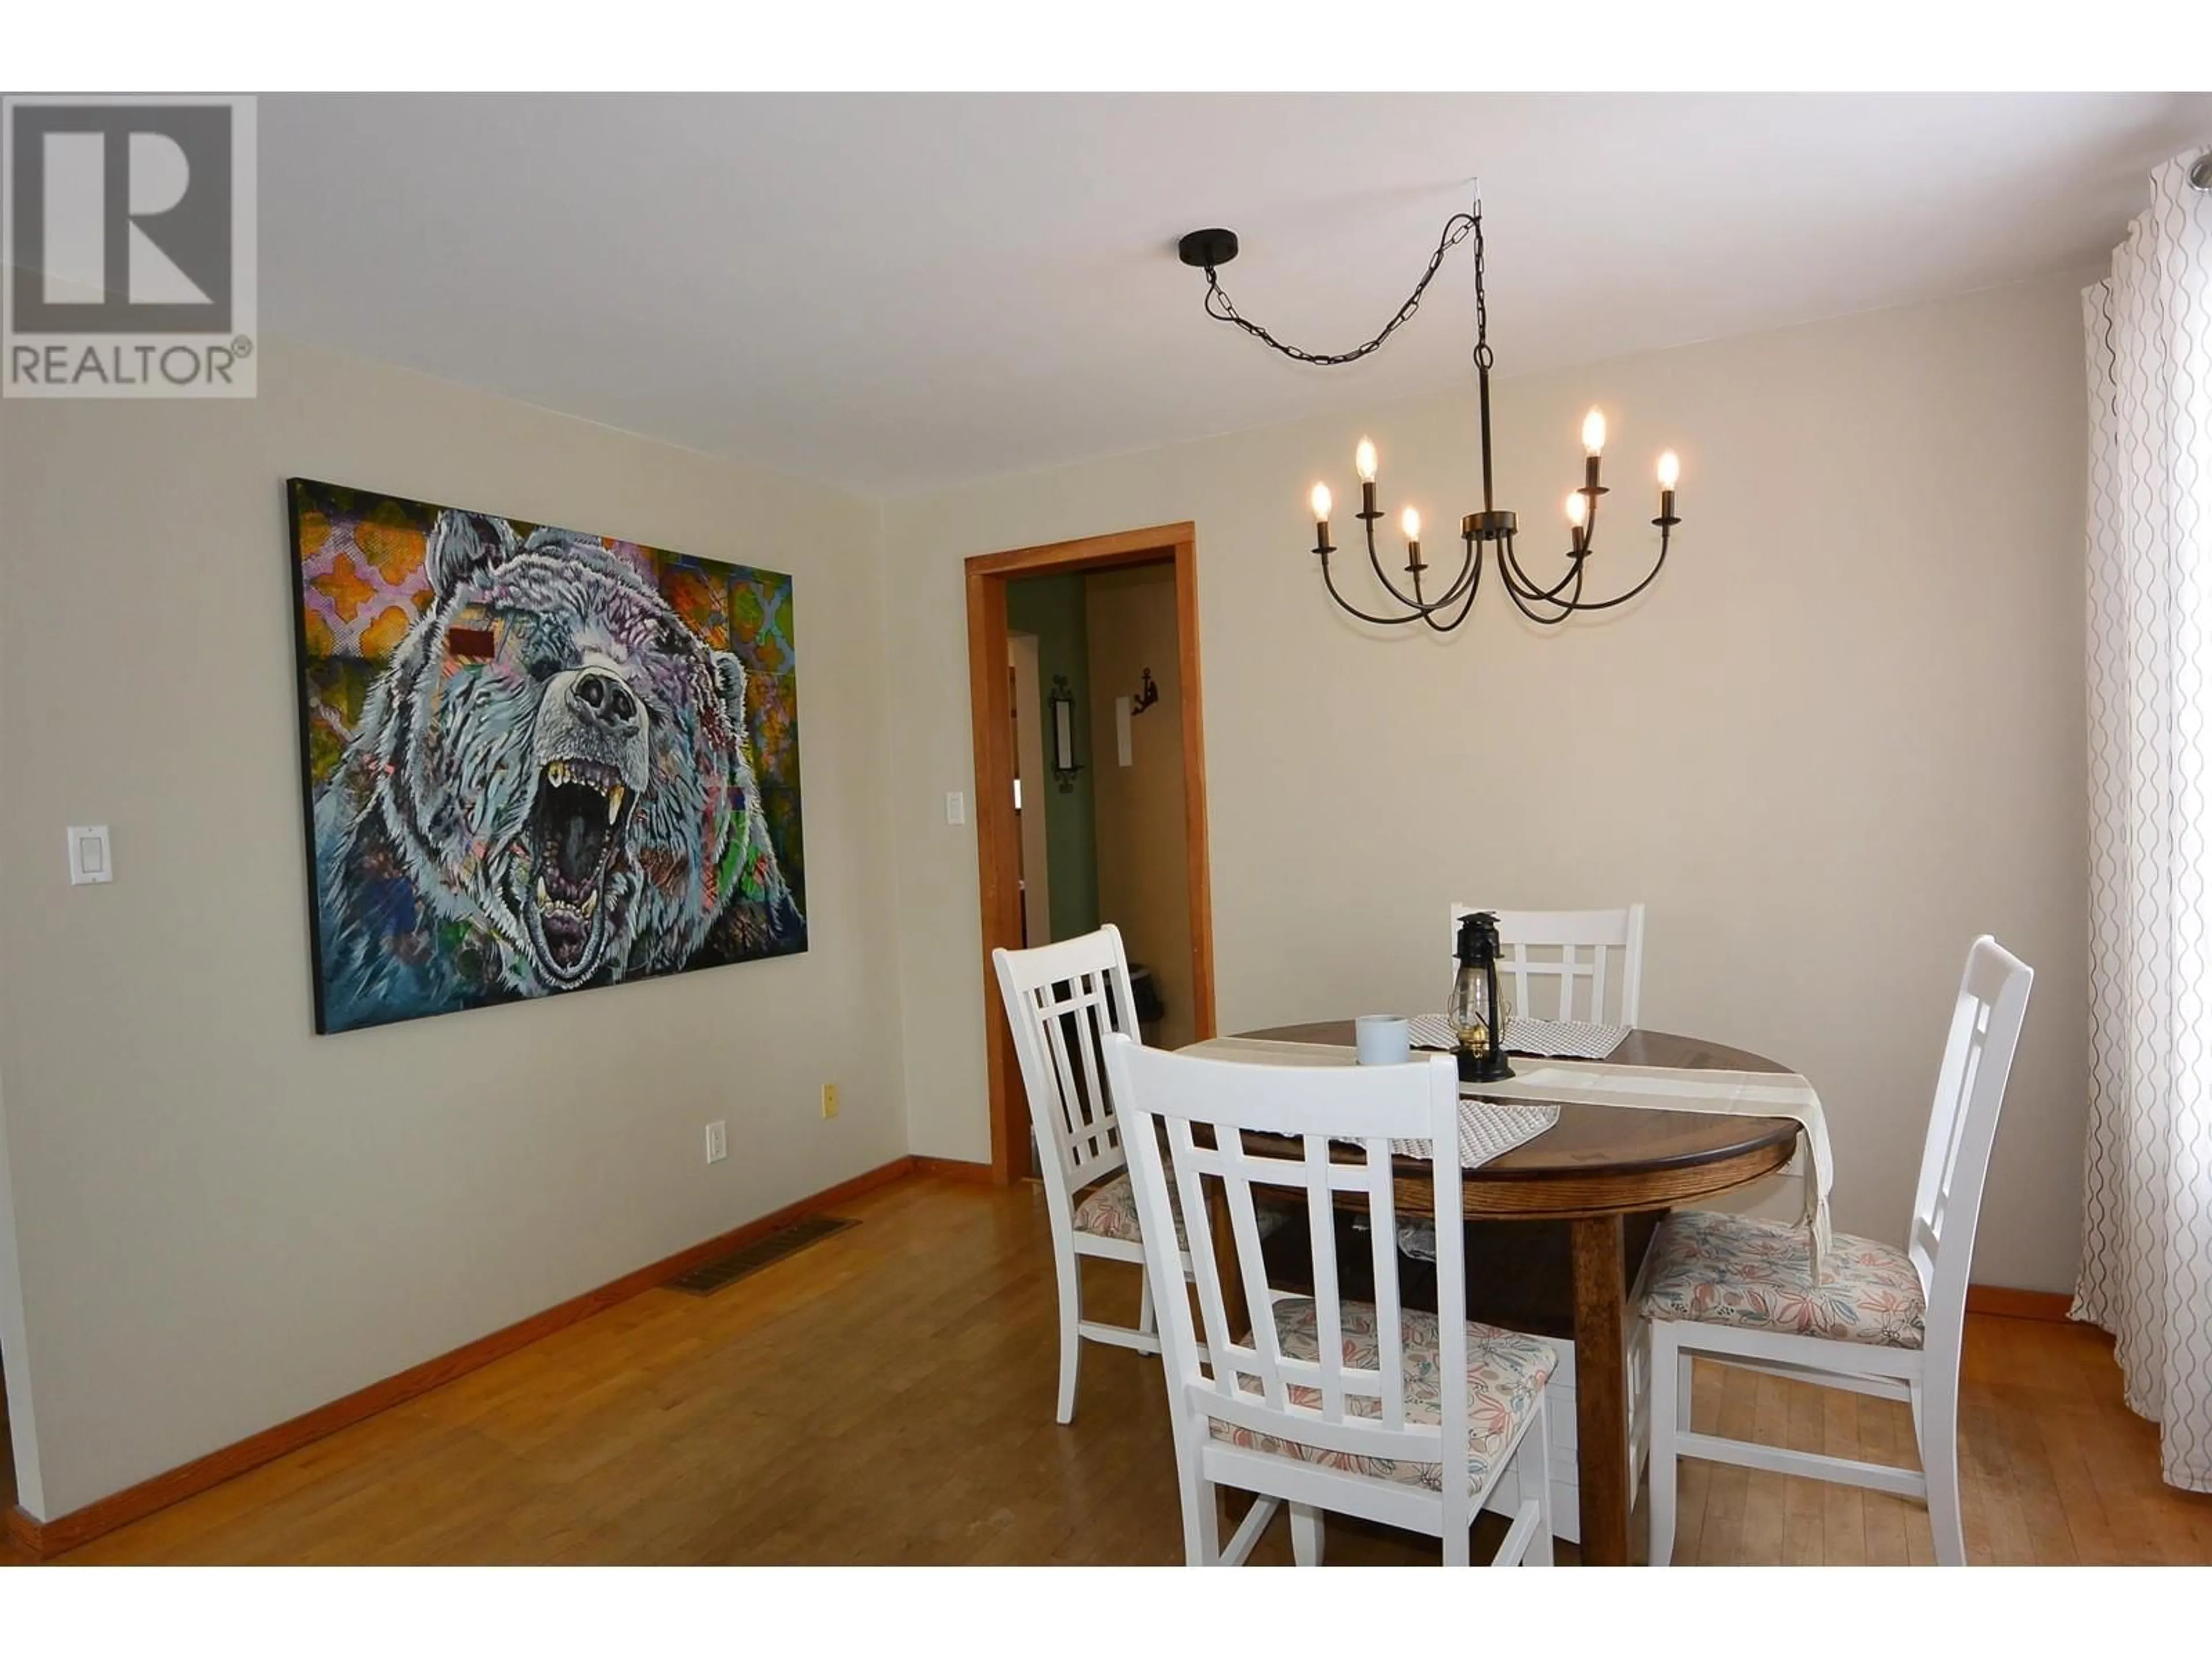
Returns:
(1089, 552)
(45, 1539)
(994, 851)
(1198, 868)
(987, 573)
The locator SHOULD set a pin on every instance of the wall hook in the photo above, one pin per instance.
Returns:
(1147, 695)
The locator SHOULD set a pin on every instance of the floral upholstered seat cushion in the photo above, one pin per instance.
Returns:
(1506, 1372)
(1718, 1269)
(1109, 1210)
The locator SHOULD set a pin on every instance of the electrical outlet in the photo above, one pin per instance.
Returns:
(828, 1100)
(718, 1142)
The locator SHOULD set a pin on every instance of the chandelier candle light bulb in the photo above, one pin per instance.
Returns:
(1593, 449)
(1320, 506)
(1670, 474)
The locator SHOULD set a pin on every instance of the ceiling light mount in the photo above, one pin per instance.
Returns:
(1203, 250)
(1492, 528)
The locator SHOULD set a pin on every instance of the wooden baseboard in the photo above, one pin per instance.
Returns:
(46, 1538)
(25, 1533)
(2018, 1304)
(956, 1169)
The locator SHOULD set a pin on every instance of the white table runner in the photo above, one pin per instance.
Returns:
(1576, 1039)
(1669, 1089)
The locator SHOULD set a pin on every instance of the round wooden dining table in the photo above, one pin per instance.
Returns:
(1605, 1172)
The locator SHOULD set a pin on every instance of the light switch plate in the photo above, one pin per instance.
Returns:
(91, 859)
(955, 807)
(718, 1141)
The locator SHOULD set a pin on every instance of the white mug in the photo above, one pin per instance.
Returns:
(1382, 1039)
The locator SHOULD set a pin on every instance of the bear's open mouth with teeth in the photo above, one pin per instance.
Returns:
(575, 832)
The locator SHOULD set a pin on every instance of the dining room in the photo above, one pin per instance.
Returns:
(1831, 770)
(1528, 896)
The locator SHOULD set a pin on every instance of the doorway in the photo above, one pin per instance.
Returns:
(1148, 733)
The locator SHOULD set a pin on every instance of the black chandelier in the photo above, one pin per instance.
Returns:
(1208, 250)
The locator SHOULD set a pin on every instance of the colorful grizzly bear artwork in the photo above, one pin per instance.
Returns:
(535, 761)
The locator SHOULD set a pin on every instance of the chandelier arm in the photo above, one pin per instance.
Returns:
(1623, 598)
(1470, 569)
(1473, 588)
(1526, 605)
(1416, 603)
(1329, 581)
(1537, 617)
(1516, 575)
(1444, 600)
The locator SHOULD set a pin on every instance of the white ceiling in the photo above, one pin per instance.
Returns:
(895, 292)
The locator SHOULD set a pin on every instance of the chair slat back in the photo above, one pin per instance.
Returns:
(1061, 1000)
(1185, 1119)
(1588, 964)
(1962, 1127)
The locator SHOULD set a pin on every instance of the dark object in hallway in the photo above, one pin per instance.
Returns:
(1145, 991)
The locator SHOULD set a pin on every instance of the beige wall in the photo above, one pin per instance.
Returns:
(224, 1220)
(1144, 847)
(1843, 735)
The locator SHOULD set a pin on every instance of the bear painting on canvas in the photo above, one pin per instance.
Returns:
(536, 760)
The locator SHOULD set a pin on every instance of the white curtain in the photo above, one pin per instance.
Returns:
(2146, 1222)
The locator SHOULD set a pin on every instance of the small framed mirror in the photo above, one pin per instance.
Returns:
(1061, 702)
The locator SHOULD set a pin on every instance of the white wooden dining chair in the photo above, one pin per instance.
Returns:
(1060, 999)
(1588, 964)
(1888, 1321)
(1363, 1408)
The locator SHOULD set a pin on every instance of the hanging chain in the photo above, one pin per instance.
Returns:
(1222, 308)
(1482, 357)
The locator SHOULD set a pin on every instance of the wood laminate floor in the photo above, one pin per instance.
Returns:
(886, 1396)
